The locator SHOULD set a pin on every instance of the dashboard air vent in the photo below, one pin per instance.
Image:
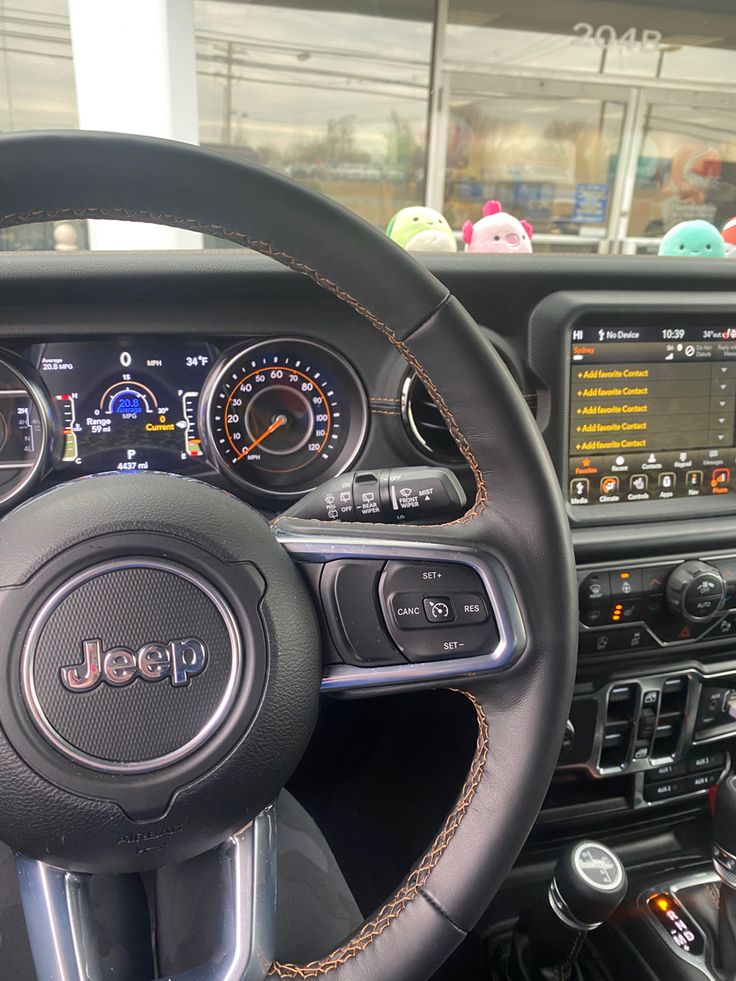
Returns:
(425, 425)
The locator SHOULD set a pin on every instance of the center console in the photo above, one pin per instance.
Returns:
(636, 400)
(637, 404)
(655, 629)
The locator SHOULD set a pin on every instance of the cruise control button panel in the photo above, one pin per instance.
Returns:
(437, 610)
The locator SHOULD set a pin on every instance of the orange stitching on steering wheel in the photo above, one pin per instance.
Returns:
(481, 497)
(419, 876)
(416, 879)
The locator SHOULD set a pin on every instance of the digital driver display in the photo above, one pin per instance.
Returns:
(127, 405)
(652, 414)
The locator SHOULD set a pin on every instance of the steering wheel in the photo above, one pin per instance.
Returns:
(131, 775)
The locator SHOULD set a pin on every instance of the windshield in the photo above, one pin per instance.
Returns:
(584, 126)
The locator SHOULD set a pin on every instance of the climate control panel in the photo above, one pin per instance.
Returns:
(637, 607)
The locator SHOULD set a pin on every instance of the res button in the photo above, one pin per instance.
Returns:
(470, 608)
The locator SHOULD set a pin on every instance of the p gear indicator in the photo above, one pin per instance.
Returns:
(674, 920)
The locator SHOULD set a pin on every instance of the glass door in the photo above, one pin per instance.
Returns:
(549, 150)
(684, 168)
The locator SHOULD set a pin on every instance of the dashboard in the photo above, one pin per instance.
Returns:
(273, 418)
(231, 370)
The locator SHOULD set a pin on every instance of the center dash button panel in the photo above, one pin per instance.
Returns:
(437, 611)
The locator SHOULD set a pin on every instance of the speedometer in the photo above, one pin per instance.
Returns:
(282, 416)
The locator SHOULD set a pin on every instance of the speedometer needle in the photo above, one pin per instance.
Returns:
(278, 421)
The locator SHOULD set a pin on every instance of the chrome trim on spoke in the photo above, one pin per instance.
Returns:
(512, 636)
(57, 912)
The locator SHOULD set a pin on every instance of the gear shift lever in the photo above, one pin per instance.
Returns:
(724, 862)
(587, 888)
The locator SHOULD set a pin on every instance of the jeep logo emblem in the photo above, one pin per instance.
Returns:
(179, 660)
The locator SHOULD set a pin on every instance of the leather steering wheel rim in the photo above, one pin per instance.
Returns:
(518, 514)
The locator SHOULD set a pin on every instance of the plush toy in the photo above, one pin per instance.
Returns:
(497, 231)
(728, 234)
(421, 230)
(693, 238)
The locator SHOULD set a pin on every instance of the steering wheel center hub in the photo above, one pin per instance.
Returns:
(131, 665)
(161, 664)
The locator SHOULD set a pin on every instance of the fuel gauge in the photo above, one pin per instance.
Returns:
(70, 448)
(188, 425)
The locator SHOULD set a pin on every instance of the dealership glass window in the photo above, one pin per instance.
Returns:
(37, 92)
(686, 166)
(668, 41)
(547, 158)
(654, 148)
(336, 98)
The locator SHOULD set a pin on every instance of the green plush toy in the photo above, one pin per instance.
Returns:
(693, 238)
(421, 230)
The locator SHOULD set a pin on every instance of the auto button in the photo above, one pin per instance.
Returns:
(695, 591)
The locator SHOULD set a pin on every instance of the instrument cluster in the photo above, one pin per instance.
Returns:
(274, 418)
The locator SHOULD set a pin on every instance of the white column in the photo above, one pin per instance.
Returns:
(135, 72)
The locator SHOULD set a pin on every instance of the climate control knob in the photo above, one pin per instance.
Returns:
(695, 591)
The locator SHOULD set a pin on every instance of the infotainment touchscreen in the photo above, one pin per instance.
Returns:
(652, 414)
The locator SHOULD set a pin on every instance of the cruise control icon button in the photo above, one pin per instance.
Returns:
(438, 609)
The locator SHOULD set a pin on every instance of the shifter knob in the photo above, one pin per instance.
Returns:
(724, 832)
(588, 886)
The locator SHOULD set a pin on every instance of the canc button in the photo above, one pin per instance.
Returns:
(407, 611)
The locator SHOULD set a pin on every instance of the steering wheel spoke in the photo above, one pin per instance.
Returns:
(407, 609)
(58, 909)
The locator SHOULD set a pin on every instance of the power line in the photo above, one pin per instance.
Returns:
(288, 47)
(300, 85)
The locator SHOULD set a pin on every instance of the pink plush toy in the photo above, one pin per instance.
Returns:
(497, 231)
